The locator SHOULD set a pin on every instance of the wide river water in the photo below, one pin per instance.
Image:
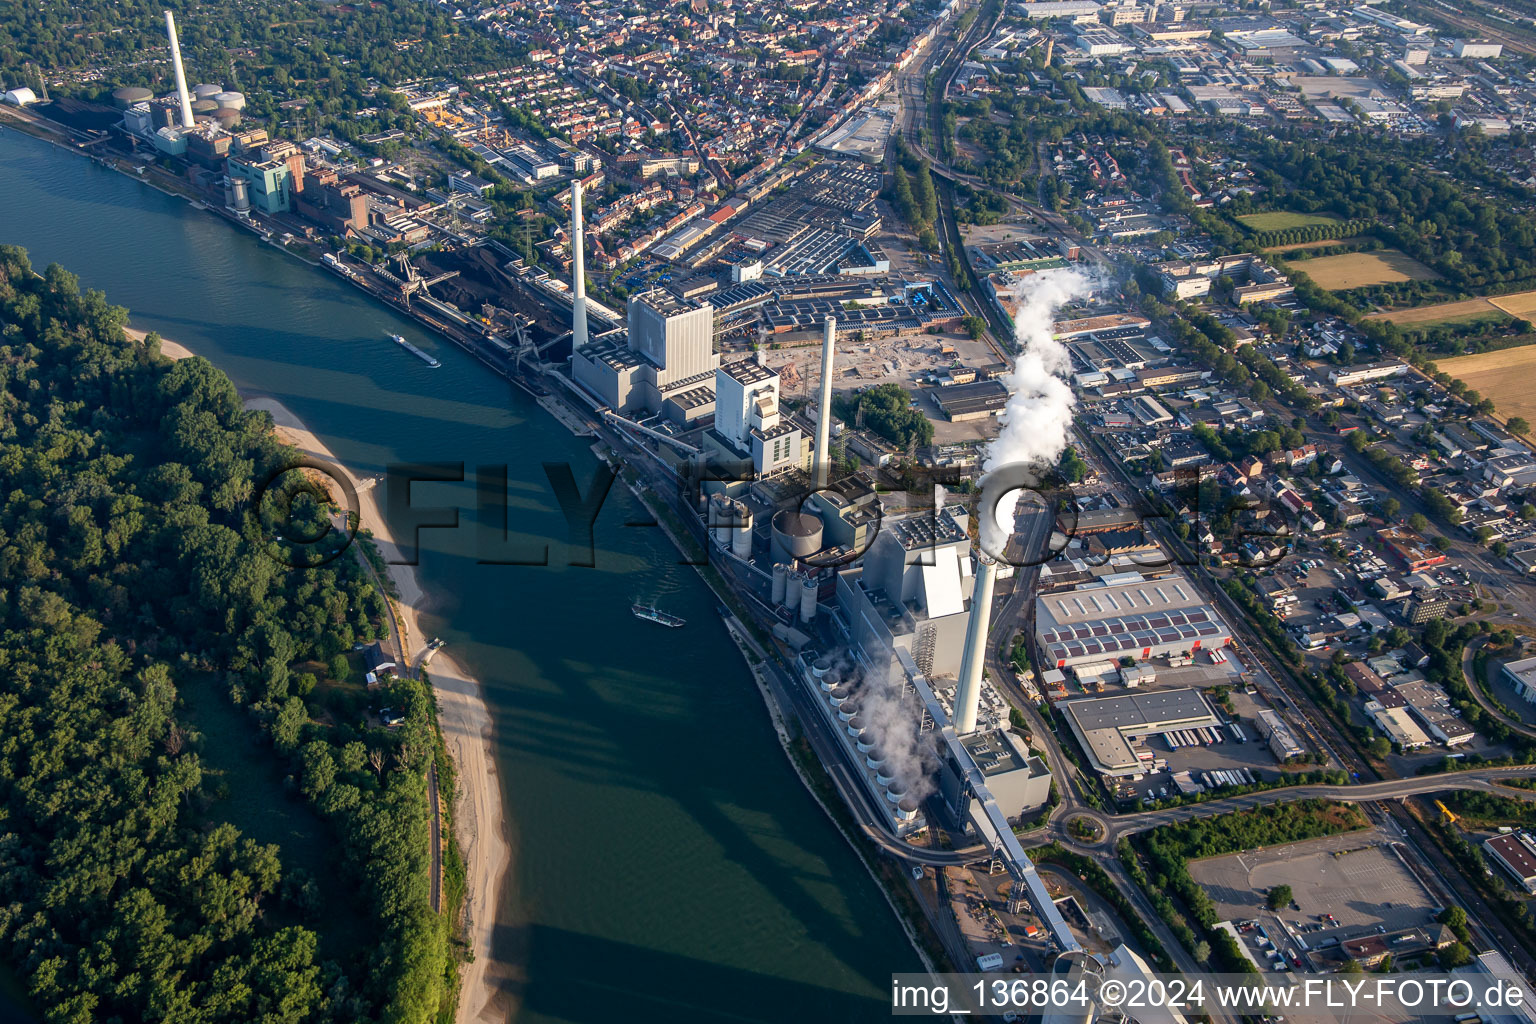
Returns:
(667, 865)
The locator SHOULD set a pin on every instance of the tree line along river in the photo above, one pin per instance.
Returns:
(667, 864)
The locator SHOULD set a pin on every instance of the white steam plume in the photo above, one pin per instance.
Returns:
(1038, 415)
(892, 715)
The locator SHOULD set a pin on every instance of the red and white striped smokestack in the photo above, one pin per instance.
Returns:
(968, 689)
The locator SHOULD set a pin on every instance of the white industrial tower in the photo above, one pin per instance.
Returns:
(578, 272)
(181, 75)
(822, 456)
(968, 688)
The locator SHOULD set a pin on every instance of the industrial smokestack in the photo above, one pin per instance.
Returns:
(823, 454)
(968, 690)
(181, 75)
(578, 272)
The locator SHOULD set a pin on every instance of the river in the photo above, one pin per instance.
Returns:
(667, 862)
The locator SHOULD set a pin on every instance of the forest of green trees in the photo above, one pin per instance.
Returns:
(330, 54)
(132, 571)
(885, 409)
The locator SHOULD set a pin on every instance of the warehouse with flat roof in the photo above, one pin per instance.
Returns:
(961, 402)
(1105, 726)
(1125, 614)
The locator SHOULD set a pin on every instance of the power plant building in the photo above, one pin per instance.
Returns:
(1125, 614)
(666, 363)
(912, 590)
(274, 175)
(1018, 780)
(749, 425)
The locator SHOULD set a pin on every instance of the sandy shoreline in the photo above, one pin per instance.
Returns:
(479, 814)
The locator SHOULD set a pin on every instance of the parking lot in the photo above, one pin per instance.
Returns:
(1226, 756)
(1359, 878)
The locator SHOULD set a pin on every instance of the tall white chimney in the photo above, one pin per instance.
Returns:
(968, 689)
(822, 456)
(181, 76)
(578, 272)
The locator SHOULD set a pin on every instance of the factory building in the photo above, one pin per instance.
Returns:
(749, 425)
(1515, 852)
(1282, 740)
(1125, 614)
(665, 364)
(911, 590)
(341, 208)
(274, 175)
(1019, 781)
(1107, 726)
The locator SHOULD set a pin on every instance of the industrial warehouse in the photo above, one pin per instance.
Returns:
(1108, 727)
(1125, 615)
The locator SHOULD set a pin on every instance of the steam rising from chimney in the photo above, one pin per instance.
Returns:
(1038, 416)
(1036, 421)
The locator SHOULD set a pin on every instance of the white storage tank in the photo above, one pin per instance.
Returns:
(741, 536)
(779, 573)
(792, 592)
(808, 600)
(232, 100)
(796, 535)
(206, 92)
(720, 520)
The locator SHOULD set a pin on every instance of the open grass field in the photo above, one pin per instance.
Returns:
(1504, 376)
(1521, 304)
(1464, 311)
(1283, 220)
(1517, 304)
(1361, 269)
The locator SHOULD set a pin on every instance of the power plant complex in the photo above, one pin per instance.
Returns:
(888, 610)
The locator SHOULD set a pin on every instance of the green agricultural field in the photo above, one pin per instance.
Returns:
(1283, 220)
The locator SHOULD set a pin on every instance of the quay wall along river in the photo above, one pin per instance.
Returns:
(667, 864)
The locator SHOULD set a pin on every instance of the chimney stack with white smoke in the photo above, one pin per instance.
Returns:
(1036, 422)
(578, 272)
(822, 457)
(181, 75)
